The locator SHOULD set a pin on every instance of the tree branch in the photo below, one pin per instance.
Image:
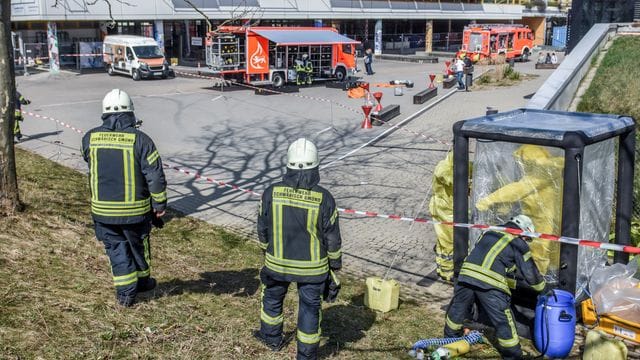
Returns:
(209, 26)
(64, 5)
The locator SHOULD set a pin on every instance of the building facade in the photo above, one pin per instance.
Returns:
(388, 26)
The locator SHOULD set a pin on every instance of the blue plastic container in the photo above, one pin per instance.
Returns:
(555, 323)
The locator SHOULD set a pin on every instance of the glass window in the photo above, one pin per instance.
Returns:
(347, 48)
(129, 54)
(147, 52)
(475, 42)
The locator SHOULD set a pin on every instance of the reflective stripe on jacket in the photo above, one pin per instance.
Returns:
(495, 259)
(299, 230)
(126, 175)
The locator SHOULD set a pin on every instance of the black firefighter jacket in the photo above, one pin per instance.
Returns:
(126, 176)
(298, 229)
(493, 262)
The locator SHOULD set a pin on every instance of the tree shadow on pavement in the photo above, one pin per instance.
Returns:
(239, 283)
(345, 324)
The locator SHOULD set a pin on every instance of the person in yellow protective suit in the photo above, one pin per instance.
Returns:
(441, 209)
(539, 194)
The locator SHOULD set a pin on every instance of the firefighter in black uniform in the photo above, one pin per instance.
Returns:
(20, 100)
(128, 189)
(299, 232)
(486, 275)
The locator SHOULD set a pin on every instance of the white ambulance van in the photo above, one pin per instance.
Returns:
(136, 56)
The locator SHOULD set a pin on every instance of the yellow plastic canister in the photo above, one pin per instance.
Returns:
(382, 295)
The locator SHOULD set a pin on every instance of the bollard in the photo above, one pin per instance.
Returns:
(366, 123)
(432, 77)
(378, 96)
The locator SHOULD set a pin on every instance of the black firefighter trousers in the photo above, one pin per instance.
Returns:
(309, 314)
(127, 247)
(496, 305)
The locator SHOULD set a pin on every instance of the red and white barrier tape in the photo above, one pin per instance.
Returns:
(79, 131)
(68, 55)
(549, 237)
(196, 175)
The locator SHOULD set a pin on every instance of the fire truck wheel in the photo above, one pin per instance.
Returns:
(341, 74)
(277, 80)
(135, 74)
(525, 55)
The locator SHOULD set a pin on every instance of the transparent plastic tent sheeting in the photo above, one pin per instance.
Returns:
(615, 291)
(511, 179)
(596, 208)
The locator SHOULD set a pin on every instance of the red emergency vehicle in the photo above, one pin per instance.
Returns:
(267, 55)
(481, 41)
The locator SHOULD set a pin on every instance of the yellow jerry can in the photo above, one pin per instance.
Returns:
(382, 295)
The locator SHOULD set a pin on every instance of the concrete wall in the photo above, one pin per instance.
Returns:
(558, 91)
(538, 26)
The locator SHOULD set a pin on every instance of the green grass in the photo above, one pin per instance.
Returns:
(615, 89)
(57, 301)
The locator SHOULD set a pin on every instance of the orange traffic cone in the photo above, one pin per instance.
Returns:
(366, 123)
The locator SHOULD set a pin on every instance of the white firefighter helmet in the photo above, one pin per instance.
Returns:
(305, 56)
(116, 101)
(302, 155)
(524, 223)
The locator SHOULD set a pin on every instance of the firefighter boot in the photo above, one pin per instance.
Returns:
(126, 300)
(276, 345)
(146, 284)
(16, 128)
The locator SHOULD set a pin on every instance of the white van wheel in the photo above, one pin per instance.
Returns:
(110, 70)
(135, 74)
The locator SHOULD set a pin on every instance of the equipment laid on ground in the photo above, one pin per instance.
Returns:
(448, 348)
(137, 56)
(481, 41)
(598, 347)
(424, 95)
(385, 115)
(407, 83)
(555, 323)
(381, 295)
(614, 306)
(449, 82)
(267, 55)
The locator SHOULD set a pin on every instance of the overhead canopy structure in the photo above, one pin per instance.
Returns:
(304, 37)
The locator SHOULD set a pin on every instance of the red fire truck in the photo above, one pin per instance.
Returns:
(267, 55)
(481, 41)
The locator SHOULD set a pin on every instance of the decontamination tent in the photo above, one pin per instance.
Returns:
(559, 166)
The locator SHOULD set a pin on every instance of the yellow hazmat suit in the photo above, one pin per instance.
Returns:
(539, 194)
(441, 209)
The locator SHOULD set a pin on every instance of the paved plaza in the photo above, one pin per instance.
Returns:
(241, 138)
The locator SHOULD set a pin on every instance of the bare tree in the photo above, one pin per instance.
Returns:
(64, 5)
(241, 11)
(9, 197)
